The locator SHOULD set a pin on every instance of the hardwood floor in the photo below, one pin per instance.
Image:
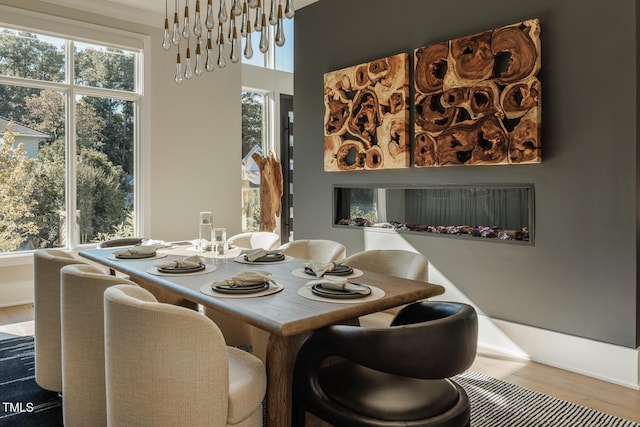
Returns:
(600, 395)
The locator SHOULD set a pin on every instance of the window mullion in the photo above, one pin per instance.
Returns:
(70, 143)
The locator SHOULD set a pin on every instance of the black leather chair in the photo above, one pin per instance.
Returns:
(392, 376)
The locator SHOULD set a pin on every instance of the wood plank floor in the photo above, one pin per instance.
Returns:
(600, 395)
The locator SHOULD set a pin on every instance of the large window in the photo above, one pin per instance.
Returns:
(68, 128)
(277, 57)
(253, 137)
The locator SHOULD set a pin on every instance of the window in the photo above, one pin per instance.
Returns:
(281, 56)
(253, 136)
(60, 96)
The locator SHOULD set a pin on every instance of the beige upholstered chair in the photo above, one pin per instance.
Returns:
(46, 281)
(82, 324)
(254, 240)
(317, 250)
(169, 366)
(394, 262)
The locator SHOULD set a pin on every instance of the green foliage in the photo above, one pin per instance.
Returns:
(32, 190)
(125, 229)
(252, 118)
(16, 217)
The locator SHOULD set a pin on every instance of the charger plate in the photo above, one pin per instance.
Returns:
(145, 258)
(299, 272)
(241, 260)
(306, 292)
(272, 289)
(207, 269)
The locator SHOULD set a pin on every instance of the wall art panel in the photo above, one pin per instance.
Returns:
(366, 121)
(478, 100)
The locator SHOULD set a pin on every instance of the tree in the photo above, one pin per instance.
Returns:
(45, 112)
(252, 118)
(22, 54)
(16, 217)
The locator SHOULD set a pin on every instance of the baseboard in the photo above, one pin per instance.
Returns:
(607, 362)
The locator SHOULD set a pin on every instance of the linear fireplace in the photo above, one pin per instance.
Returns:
(502, 212)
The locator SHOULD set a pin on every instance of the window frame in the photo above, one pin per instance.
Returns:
(74, 31)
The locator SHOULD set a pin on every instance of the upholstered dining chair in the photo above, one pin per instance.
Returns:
(122, 241)
(46, 280)
(255, 239)
(169, 366)
(316, 249)
(82, 325)
(393, 376)
(394, 262)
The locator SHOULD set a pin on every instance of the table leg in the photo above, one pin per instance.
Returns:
(281, 356)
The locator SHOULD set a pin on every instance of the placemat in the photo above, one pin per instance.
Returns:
(299, 272)
(273, 288)
(376, 293)
(207, 269)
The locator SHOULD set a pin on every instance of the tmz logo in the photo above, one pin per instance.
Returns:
(17, 406)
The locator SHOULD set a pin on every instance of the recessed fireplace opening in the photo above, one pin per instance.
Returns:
(501, 213)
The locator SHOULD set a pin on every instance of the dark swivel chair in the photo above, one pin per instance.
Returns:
(392, 376)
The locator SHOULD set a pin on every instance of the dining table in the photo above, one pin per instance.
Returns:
(289, 315)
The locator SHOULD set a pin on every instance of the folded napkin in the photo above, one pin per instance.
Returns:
(192, 261)
(247, 278)
(339, 284)
(151, 242)
(254, 254)
(137, 250)
(319, 268)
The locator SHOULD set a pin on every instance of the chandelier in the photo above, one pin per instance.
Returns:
(253, 19)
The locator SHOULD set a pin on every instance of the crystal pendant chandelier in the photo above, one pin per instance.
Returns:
(218, 29)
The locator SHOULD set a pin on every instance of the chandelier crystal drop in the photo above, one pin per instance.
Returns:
(267, 23)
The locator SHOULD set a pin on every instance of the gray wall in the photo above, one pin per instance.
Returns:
(580, 276)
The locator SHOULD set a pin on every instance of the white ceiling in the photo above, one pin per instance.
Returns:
(149, 12)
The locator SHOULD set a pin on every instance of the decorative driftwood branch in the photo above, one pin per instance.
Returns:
(478, 98)
(271, 188)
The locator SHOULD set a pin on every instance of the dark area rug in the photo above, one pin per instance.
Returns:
(22, 402)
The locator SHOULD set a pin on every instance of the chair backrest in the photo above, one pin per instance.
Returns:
(46, 280)
(316, 250)
(429, 340)
(124, 241)
(165, 364)
(82, 289)
(256, 239)
(394, 262)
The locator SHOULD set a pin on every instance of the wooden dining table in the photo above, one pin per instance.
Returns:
(286, 315)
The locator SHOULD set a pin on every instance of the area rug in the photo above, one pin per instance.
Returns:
(22, 402)
(495, 403)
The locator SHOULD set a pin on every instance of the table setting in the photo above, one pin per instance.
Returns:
(262, 256)
(252, 283)
(315, 269)
(339, 290)
(138, 252)
(182, 266)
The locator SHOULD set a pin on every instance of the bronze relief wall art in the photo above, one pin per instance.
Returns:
(478, 100)
(366, 121)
